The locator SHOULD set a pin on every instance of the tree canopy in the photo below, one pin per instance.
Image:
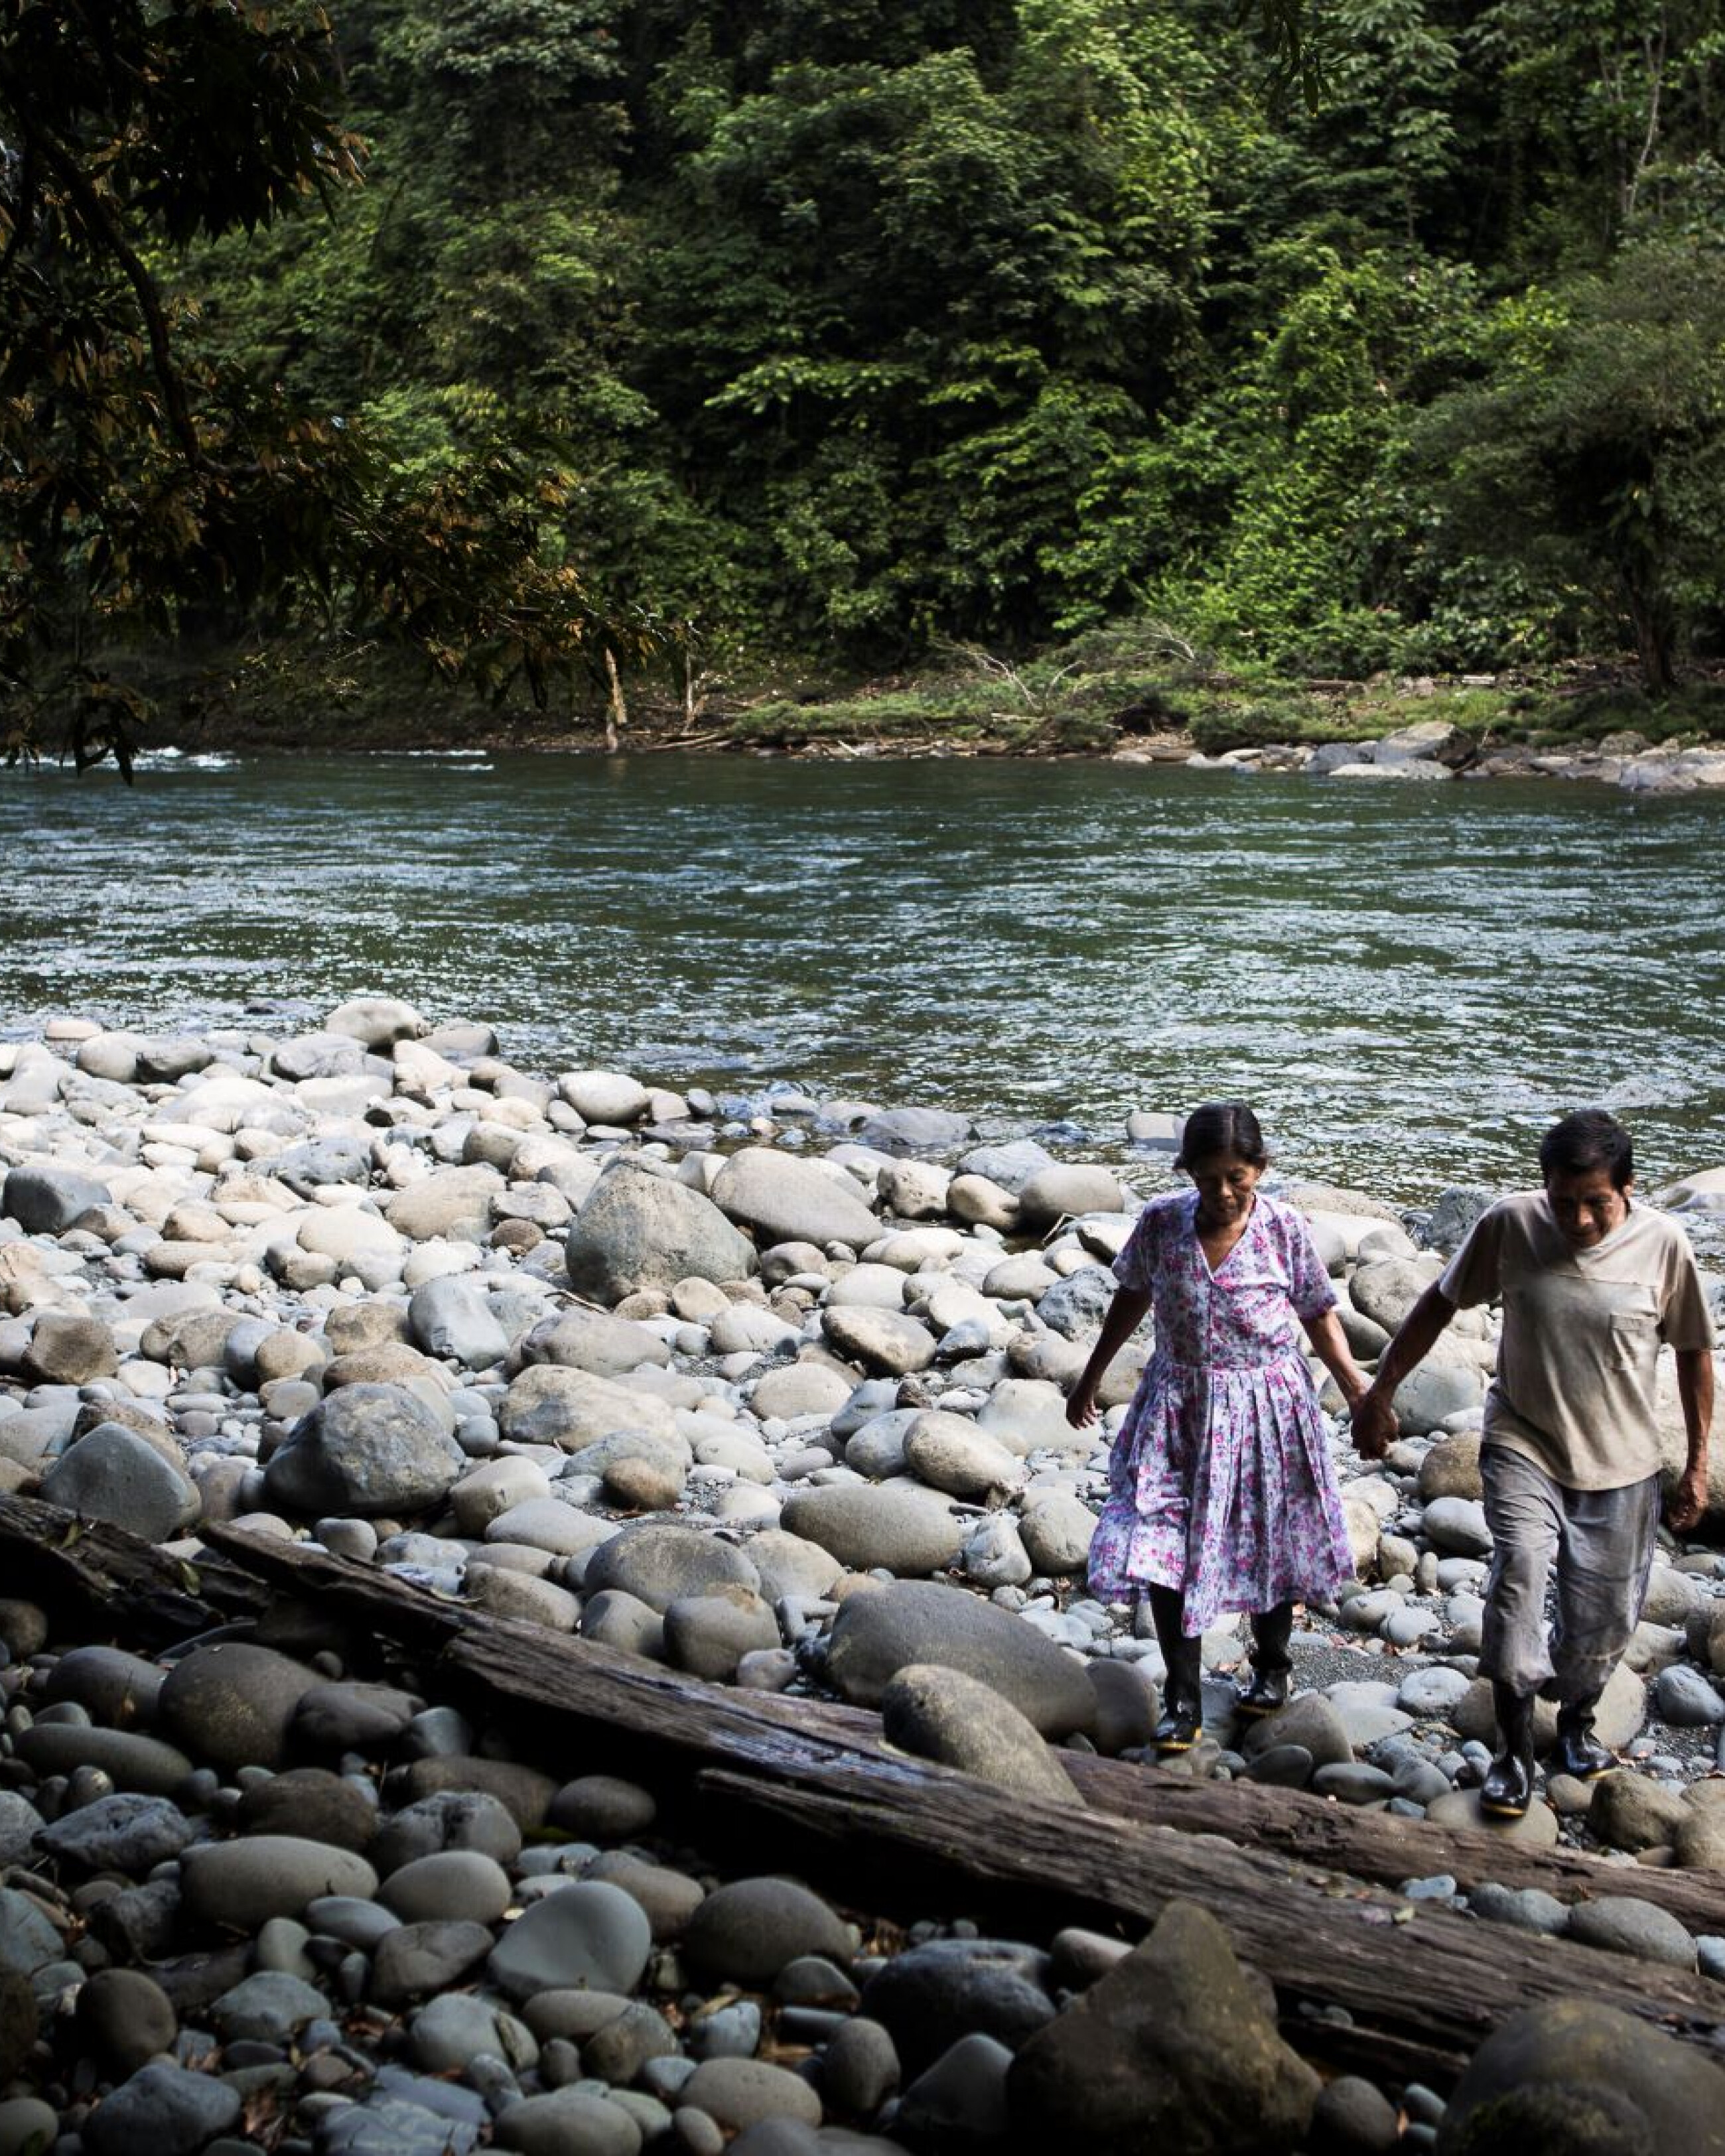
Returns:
(541, 333)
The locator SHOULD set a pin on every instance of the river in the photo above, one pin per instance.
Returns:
(1408, 981)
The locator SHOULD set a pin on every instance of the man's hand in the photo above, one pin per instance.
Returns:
(1373, 1424)
(1082, 1406)
(1687, 1501)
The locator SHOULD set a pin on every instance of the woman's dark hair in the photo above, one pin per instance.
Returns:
(1222, 1127)
(1589, 1138)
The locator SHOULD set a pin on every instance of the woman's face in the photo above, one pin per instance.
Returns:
(1225, 1184)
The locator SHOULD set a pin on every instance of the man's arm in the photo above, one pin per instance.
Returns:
(1688, 1499)
(1373, 1416)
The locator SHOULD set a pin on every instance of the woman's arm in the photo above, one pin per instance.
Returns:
(1329, 1343)
(1125, 1314)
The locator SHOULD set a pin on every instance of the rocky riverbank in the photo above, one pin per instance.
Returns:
(1434, 749)
(769, 1390)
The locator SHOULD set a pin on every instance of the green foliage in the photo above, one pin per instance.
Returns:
(846, 328)
(1593, 447)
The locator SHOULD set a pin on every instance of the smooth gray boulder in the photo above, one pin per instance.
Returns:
(242, 1884)
(894, 1526)
(451, 1203)
(47, 1201)
(113, 1474)
(591, 1935)
(889, 1341)
(1550, 2067)
(376, 1021)
(942, 1714)
(915, 1129)
(165, 2109)
(1067, 1188)
(549, 1405)
(366, 1450)
(875, 1635)
(67, 1348)
(930, 1996)
(747, 1932)
(659, 1562)
(450, 1318)
(638, 1230)
(233, 1703)
(594, 1341)
(786, 1199)
(950, 1453)
(1386, 1289)
(1170, 2049)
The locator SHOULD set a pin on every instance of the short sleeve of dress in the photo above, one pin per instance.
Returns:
(1136, 1265)
(1685, 1322)
(1309, 1289)
(1474, 1273)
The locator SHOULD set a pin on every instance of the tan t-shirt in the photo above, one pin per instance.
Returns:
(1576, 1366)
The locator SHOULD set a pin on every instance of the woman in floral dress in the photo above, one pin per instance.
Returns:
(1221, 1493)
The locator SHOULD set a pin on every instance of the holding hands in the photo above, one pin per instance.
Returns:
(1372, 1423)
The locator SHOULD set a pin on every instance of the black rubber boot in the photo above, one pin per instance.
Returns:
(1182, 1720)
(1579, 1752)
(1508, 1788)
(1272, 1665)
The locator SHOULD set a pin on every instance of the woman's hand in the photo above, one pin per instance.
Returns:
(1081, 1405)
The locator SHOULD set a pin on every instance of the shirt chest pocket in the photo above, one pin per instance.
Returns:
(1633, 1339)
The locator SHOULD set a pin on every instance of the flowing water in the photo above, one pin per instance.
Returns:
(1408, 981)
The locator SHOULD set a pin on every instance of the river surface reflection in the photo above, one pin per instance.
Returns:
(1408, 981)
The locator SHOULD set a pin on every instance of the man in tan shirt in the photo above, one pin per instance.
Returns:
(1591, 1285)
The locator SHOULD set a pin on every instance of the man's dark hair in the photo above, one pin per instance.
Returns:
(1589, 1139)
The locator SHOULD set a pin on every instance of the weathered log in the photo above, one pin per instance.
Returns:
(525, 1664)
(81, 1570)
(1363, 1978)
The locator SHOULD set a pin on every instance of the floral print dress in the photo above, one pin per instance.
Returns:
(1220, 1483)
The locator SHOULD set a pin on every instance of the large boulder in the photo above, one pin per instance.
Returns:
(548, 1405)
(449, 1317)
(894, 1527)
(638, 1230)
(1387, 1288)
(593, 1340)
(454, 1204)
(660, 1563)
(233, 1703)
(1068, 1188)
(47, 1201)
(785, 1199)
(1171, 2049)
(875, 1635)
(366, 1451)
(942, 1714)
(114, 1474)
(1576, 2074)
(376, 1021)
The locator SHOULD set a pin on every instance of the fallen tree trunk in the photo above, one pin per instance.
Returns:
(76, 1569)
(1364, 1979)
(651, 1702)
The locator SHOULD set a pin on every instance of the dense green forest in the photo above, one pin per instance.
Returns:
(844, 331)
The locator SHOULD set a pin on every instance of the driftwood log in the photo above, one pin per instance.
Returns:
(1364, 1979)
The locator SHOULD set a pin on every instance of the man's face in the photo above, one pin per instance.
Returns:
(1587, 1206)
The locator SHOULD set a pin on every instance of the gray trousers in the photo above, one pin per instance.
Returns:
(1602, 1541)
